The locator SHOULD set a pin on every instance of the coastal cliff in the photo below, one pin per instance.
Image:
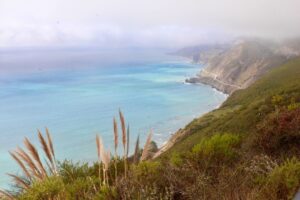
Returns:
(236, 66)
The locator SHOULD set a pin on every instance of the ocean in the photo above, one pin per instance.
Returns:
(76, 94)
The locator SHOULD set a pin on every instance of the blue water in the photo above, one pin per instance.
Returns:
(76, 94)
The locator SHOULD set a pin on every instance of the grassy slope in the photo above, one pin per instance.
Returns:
(243, 109)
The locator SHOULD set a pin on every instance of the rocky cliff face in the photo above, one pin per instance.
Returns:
(236, 66)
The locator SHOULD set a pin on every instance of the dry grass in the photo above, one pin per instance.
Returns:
(35, 155)
(50, 142)
(123, 126)
(21, 164)
(45, 146)
(136, 150)
(21, 182)
(6, 195)
(116, 136)
(145, 153)
(127, 147)
(124, 140)
(31, 165)
(98, 147)
(104, 157)
(29, 162)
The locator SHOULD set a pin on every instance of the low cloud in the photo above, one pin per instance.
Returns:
(157, 23)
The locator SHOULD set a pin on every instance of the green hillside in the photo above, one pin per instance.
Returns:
(245, 108)
(249, 148)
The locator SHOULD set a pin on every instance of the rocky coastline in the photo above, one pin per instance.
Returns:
(232, 67)
(237, 65)
(218, 85)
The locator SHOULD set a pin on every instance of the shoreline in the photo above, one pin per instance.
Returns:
(181, 133)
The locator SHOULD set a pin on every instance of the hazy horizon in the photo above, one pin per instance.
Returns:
(145, 24)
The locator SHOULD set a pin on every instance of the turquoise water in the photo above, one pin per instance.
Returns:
(77, 93)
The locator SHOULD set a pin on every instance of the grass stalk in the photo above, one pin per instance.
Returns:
(124, 140)
(136, 151)
(99, 157)
(116, 147)
(145, 153)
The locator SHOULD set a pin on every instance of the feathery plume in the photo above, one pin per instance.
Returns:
(122, 119)
(106, 159)
(116, 138)
(45, 146)
(101, 147)
(50, 142)
(19, 181)
(98, 146)
(124, 140)
(105, 155)
(51, 149)
(7, 195)
(145, 152)
(35, 155)
(26, 158)
(99, 156)
(21, 164)
(127, 147)
(136, 151)
(115, 134)
(50, 167)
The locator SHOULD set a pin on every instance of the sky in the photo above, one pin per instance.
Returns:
(143, 23)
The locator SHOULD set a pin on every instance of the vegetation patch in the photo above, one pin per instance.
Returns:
(218, 147)
(284, 181)
(280, 131)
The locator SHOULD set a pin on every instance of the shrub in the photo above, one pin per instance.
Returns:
(106, 193)
(279, 131)
(293, 106)
(82, 188)
(277, 99)
(176, 159)
(264, 109)
(259, 167)
(145, 169)
(284, 181)
(70, 171)
(145, 181)
(50, 188)
(218, 147)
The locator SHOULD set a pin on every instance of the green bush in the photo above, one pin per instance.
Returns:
(284, 180)
(144, 169)
(106, 193)
(176, 159)
(145, 180)
(218, 146)
(70, 171)
(293, 104)
(51, 188)
(82, 188)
